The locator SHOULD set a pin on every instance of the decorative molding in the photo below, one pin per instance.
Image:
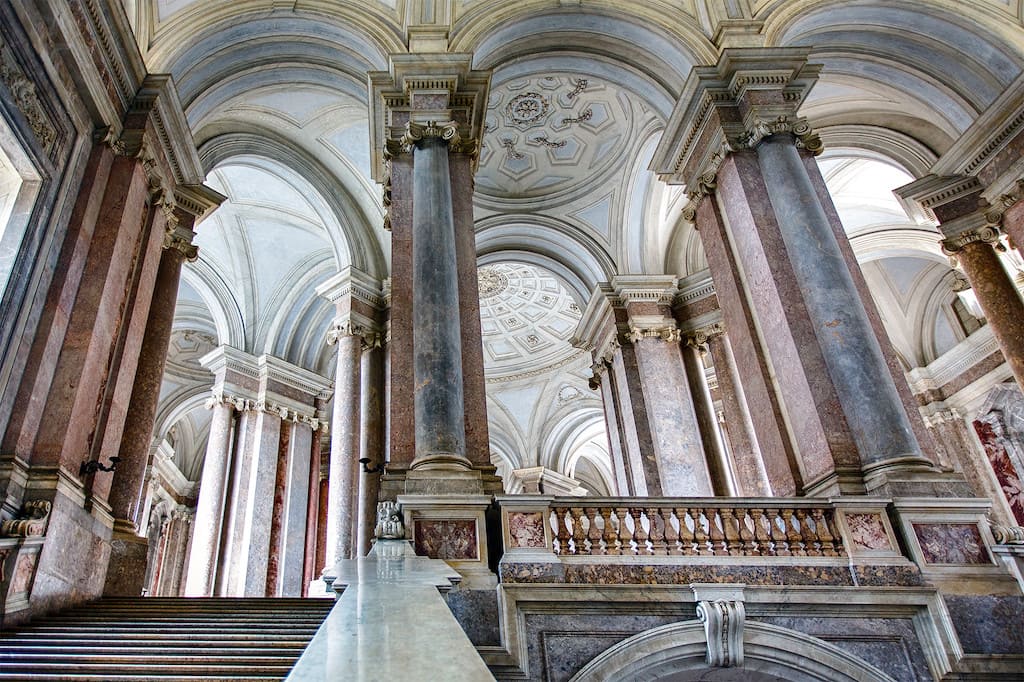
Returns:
(1007, 535)
(23, 92)
(354, 283)
(723, 624)
(31, 522)
(669, 333)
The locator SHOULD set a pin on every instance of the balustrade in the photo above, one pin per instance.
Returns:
(694, 527)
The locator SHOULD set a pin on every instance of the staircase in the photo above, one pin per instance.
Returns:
(164, 638)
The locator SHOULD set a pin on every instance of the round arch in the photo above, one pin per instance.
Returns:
(354, 240)
(770, 652)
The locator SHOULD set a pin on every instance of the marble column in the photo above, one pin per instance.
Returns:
(344, 461)
(751, 479)
(126, 491)
(437, 340)
(209, 518)
(312, 516)
(371, 445)
(179, 528)
(296, 502)
(1013, 217)
(427, 124)
(601, 379)
(693, 351)
(630, 325)
(971, 235)
(997, 295)
(779, 269)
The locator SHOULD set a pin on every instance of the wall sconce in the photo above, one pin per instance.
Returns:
(95, 465)
(375, 469)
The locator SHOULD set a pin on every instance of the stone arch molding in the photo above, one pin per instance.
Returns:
(680, 651)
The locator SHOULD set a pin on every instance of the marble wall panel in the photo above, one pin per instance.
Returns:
(868, 531)
(477, 613)
(988, 624)
(1009, 478)
(526, 529)
(951, 543)
(446, 538)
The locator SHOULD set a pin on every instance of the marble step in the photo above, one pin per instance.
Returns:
(152, 639)
(120, 677)
(131, 648)
(208, 670)
(154, 657)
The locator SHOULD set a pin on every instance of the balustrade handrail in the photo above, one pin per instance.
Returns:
(694, 527)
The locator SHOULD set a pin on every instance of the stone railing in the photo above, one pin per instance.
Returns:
(694, 527)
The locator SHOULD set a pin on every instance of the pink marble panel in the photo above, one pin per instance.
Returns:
(1010, 480)
(526, 529)
(867, 531)
(446, 538)
(951, 543)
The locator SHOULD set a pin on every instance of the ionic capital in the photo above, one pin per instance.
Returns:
(698, 338)
(177, 237)
(799, 128)
(447, 131)
(985, 234)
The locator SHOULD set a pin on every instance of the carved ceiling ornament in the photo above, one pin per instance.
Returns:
(490, 281)
(527, 109)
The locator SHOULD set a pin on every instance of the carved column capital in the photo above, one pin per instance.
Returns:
(669, 333)
(988, 233)
(698, 338)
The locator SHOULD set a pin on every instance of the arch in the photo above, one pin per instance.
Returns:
(776, 653)
(355, 241)
(541, 240)
(672, 48)
(880, 144)
(939, 46)
(216, 294)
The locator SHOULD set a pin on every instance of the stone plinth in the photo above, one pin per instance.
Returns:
(453, 528)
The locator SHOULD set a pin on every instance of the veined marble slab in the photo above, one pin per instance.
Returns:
(391, 624)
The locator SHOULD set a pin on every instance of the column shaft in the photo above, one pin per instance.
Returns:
(126, 490)
(872, 406)
(999, 299)
(206, 538)
(707, 423)
(296, 503)
(344, 465)
(371, 446)
(751, 479)
(437, 340)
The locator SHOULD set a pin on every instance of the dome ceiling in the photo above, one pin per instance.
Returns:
(526, 318)
(549, 134)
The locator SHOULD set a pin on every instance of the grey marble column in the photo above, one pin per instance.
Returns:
(206, 537)
(259, 507)
(437, 339)
(851, 350)
(344, 464)
(693, 350)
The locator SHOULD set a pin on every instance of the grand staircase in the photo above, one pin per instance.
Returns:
(161, 638)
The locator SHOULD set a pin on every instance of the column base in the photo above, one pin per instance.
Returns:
(126, 573)
(911, 476)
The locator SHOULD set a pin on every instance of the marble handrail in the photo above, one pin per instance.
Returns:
(694, 527)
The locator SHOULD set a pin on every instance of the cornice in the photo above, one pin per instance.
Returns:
(355, 283)
(451, 89)
(694, 288)
(659, 289)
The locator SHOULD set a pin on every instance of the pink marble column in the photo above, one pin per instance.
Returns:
(209, 518)
(602, 380)
(751, 479)
(126, 491)
(1013, 221)
(344, 464)
(998, 296)
(753, 367)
